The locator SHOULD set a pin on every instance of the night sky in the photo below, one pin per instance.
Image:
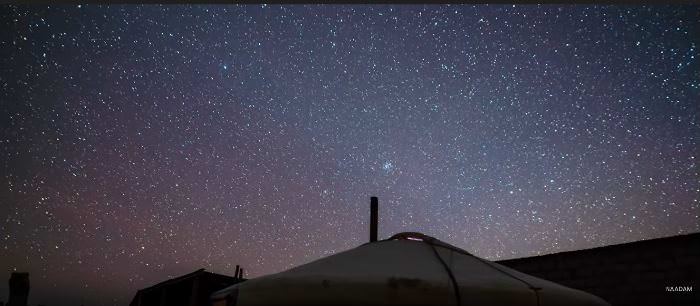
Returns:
(140, 143)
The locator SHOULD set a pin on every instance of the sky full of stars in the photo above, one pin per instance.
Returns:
(143, 142)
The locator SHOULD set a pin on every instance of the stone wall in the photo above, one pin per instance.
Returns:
(636, 273)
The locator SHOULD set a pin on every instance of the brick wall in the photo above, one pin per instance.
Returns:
(635, 273)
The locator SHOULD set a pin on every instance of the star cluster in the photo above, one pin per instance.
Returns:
(143, 142)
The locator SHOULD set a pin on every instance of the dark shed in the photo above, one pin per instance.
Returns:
(191, 289)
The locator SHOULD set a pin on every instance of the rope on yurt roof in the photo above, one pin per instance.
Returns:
(455, 286)
(434, 241)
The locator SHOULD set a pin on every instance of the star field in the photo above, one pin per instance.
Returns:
(143, 142)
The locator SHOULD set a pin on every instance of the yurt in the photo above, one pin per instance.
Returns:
(406, 269)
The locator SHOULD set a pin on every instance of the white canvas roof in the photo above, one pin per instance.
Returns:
(402, 270)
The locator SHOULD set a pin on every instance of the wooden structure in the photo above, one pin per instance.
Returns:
(191, 289)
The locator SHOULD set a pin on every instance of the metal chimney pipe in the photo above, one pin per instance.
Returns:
(241, 274)
(236, 274)
(373, 218)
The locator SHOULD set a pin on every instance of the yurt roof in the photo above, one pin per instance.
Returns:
(407, 269)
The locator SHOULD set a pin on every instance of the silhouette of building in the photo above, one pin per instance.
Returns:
(191, 289)
(19, 289)
(662, 271)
